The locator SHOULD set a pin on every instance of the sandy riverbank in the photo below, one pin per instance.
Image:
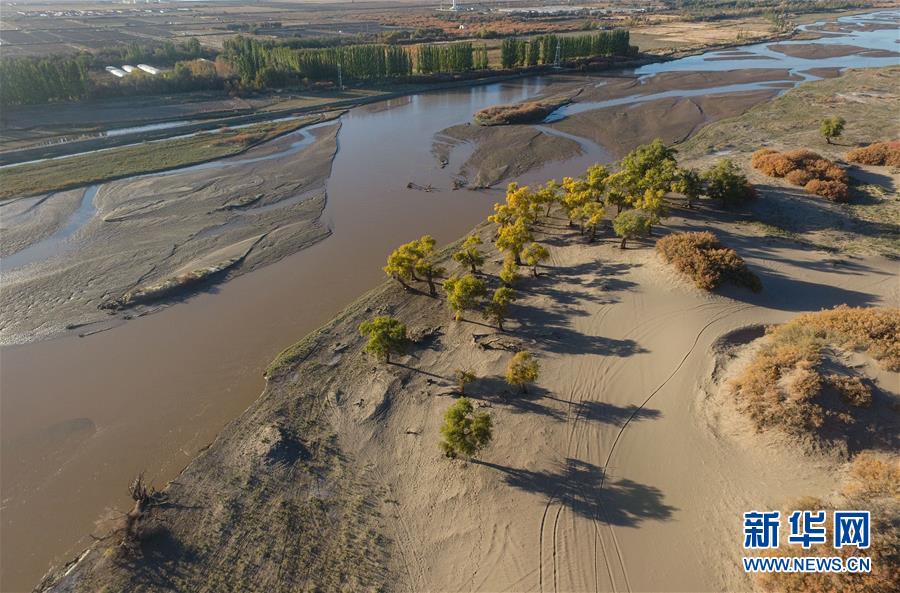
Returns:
(290, 312)
(572, 494)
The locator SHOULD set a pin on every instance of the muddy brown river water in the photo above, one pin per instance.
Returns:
(81, 416)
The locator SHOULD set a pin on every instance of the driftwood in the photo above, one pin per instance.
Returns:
(496, 342)
(412, 185)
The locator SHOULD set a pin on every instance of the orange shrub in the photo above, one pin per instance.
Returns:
(782, 385)
(836, 173)
(877, 154)
(799, 177)
(760, 155)
(772, 163)
(709, 263)
(833, 190)
(806, 169)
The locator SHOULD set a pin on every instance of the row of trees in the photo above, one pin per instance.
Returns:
(260, 63)
(26, 81)
(448, 57)
(545, 49)
(252, 63)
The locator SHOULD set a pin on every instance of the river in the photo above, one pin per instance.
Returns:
(81, 416)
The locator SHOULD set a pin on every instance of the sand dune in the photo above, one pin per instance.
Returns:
(608, 475)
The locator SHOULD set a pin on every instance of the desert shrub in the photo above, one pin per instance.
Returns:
(804, 168)
(877, 154)
(875, 330)
(873, 474)
(771, 163)
(799, 177)
(783, 384)
(872, 483)
(760, 156)
(725, 181)
(852, 389)
(836, 173)
(833, 190)
(709, 263)
(498, 115)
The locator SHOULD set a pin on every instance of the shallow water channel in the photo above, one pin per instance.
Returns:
(80, 416)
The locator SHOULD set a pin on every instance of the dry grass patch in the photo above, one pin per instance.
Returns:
(879, 154)
(872, 484)
(806, 169)
(798, 381)
(148, 157)
(520, 113)
(709, 263)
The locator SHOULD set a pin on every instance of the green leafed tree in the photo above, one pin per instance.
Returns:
(725, 182)
(589, 216)
(411, 258)
(653, 203)
(497, 308)
(464, 293)
(832, 127)
(533, 255)
(469, 253)
(546, 196)
(465, 431)
(650, 166)
(384, 335)
(523, 370)
(513, 237)
(689, 183)
(630, 224)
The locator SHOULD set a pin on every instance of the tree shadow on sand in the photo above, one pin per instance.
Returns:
(600, 281)
(162, 559)
(496, 390)
(556, 337)
(612, 414)
(583, 488)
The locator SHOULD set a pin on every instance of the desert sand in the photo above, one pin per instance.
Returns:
(594, 477)
(585, 485)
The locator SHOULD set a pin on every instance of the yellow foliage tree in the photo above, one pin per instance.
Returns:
(523, 369)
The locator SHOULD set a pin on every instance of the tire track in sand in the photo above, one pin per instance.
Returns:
(725, 314)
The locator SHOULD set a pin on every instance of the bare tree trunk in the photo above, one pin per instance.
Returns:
(622, 245)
